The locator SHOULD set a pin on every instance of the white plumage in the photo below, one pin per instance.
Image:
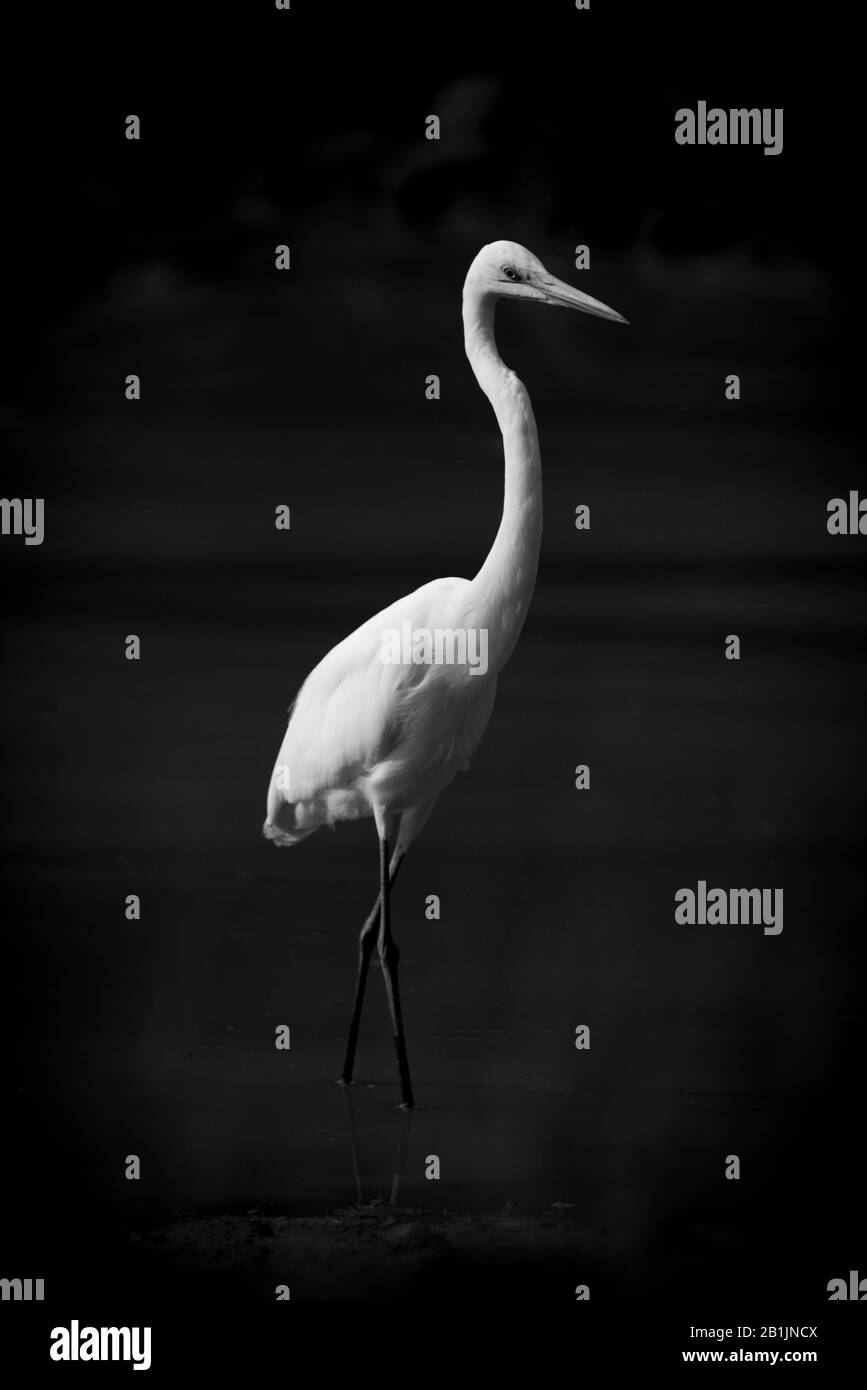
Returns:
(372, 737)
(365, 733)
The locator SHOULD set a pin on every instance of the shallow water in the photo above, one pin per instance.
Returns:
(156, 1037)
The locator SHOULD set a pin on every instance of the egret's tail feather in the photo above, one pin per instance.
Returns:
(283, 838)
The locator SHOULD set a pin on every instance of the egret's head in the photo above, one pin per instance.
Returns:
(510, 271)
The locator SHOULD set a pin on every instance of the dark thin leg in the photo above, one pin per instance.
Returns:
(402, 1154)
(389, 957)
(355, 1146)
(366, 942)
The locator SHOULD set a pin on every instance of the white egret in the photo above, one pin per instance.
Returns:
(370, 735)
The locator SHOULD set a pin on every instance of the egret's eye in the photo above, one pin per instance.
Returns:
(510, 272)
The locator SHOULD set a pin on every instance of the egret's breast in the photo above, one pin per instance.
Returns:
(441, 724)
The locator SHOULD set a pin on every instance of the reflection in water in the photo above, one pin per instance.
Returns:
(404, 1126)
(557, 906)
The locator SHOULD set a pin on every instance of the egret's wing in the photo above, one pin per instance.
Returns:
(350, 710)
(343, 720)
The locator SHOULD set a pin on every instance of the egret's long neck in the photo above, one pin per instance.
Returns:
(504, 585)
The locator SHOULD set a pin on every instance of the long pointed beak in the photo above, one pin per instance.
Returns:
(556, 292)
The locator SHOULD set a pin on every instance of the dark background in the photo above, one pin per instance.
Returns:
(307, 388)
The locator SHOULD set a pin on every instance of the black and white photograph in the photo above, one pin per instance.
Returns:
(434, 684)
